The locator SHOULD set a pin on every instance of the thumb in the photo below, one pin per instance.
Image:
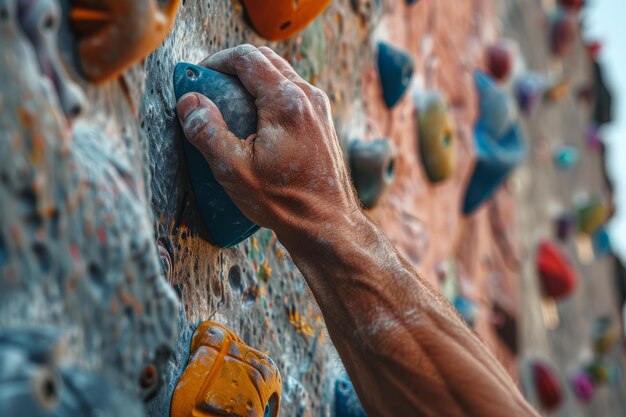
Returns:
(206, 129)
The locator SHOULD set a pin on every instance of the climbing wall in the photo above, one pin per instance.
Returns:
(544, 192)
(99, 238)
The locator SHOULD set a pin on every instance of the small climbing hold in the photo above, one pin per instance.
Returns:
(437, 136)
(284, 18)
(603, 97)
(590, 216)
(499, 59)
(603, 373)
(500, 145)
(372, 167)
(593, 137)
(565, 157)
(224, 376)
(601, 241)
(563, 28)
(565, 224)
(594, 48)
(558, 90)
(572, 4)
(529, 89)
(547, 386)
(505, 325)
(225, 225)
(114, 35)
(606, 334)
(557, 276)
(347, 403)
(395, 69)
(583, 386)
(40, 21)
(466, 309)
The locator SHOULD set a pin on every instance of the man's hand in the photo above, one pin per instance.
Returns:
(290, 176)
(406, 350)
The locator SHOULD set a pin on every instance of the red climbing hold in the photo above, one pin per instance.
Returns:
(499, 58)
(572, 4)
(547, 385)
(557, 276)
(563, 29)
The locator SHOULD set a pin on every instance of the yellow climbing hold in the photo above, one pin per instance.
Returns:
(437, 139)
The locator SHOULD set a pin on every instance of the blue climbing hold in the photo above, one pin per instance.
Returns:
(466, 309)
(528, 92)
(565, 157)
(601, 243)
(347, 403)
(395, 68)
(225, 225)
(499, 142)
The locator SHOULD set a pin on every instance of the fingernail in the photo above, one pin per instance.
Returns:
(186, 105)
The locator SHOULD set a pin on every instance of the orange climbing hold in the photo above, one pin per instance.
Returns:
(224, 376)
(281, 19)
(113, 35)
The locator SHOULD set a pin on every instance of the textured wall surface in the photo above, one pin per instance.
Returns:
(89, 203)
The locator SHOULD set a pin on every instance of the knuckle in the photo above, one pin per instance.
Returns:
(244, 49)
(319, 96)
(266, 50)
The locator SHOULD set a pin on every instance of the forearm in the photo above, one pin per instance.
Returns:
(401, 342)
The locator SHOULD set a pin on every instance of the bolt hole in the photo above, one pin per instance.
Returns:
(148, 376)
(285, 25)
(234, 278)
(391, 167)
(46, 389)
(49, 22)
(446, 141)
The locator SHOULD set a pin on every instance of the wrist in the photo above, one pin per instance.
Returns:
(307, 236)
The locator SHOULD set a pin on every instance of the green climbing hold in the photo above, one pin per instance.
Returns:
(591, 216)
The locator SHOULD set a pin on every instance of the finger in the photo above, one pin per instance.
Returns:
(314, 94)
(281, 65)
(206, 129)
(256, 72)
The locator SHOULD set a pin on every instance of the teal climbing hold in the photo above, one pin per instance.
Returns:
(225, 224)
(347, 403)
(466, 309)
(395, 68)
(565, 157)
(601, 243)
(500, 144)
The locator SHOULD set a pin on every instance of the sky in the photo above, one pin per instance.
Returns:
(605, 20)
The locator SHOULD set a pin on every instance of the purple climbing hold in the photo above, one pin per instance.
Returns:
(565, 224)
(528, 90)
(583, 386)
(593, 137)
